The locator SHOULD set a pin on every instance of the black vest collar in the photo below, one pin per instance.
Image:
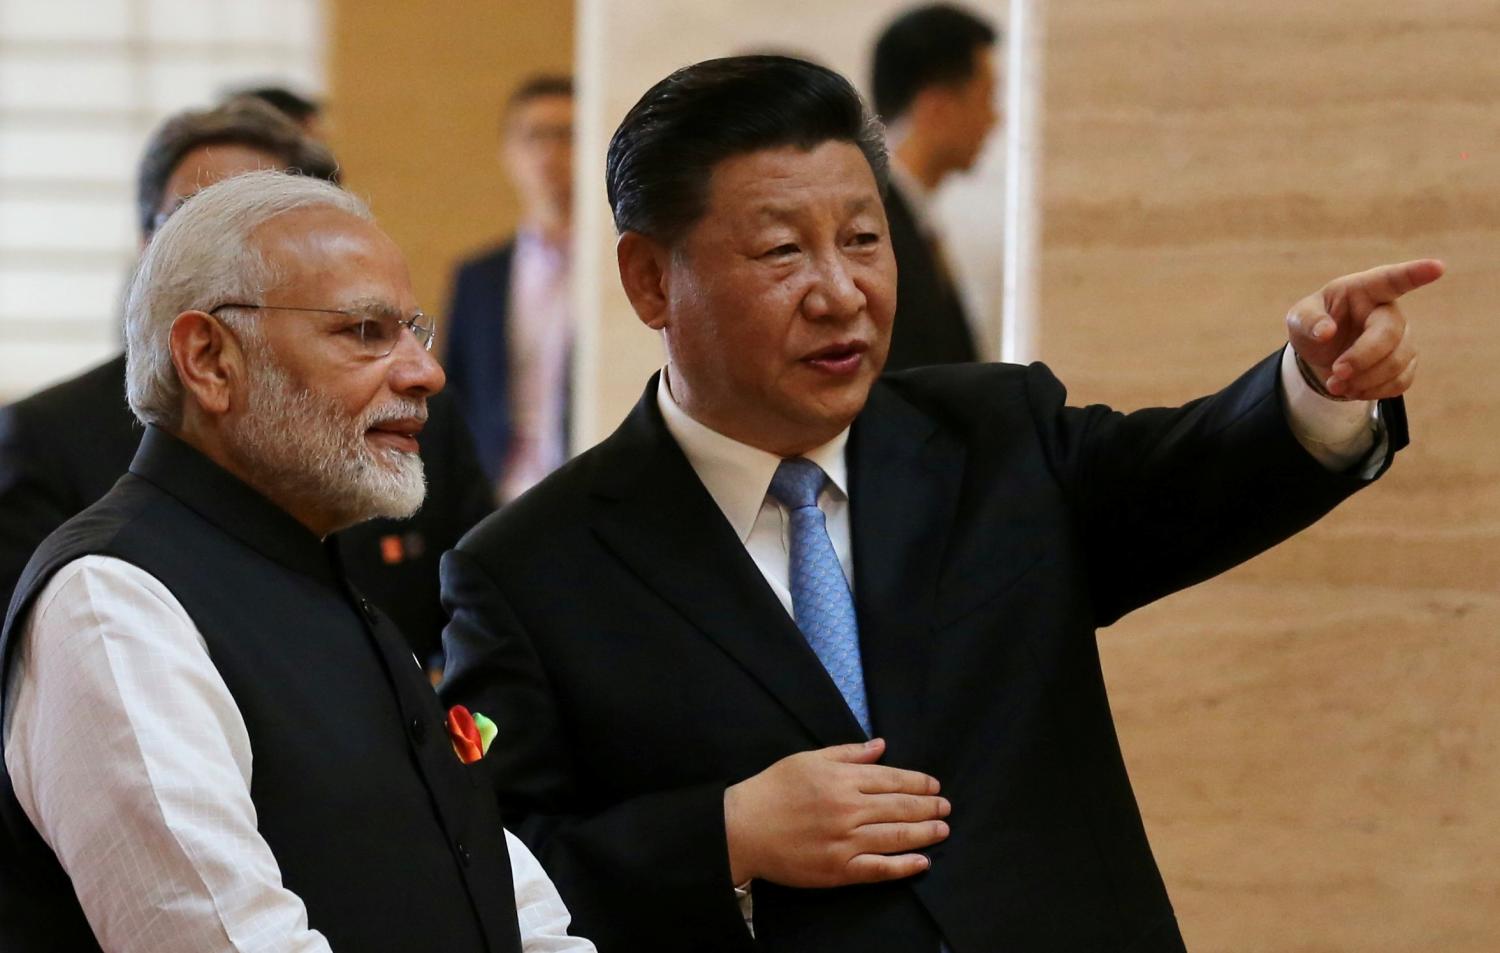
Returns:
(230, 504)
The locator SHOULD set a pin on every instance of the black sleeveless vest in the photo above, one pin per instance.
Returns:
(389, 840)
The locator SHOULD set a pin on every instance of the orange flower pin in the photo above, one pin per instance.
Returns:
(471, 733)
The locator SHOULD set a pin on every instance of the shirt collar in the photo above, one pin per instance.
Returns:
(531, 243)
(735, 474)
(918, 197)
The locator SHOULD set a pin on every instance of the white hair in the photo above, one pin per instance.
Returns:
(203, 257)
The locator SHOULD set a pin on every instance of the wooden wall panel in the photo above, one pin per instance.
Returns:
(415, 91)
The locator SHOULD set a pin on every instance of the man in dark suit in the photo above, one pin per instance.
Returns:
(934, 85)
(701, 636)
(212, 741)
(510, 321)
(62, 448)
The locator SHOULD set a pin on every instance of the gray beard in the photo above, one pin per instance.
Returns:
(297, 444)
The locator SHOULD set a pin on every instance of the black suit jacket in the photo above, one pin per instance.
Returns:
(478, 355)
(63, 448)
(636, 662)
(930, 326)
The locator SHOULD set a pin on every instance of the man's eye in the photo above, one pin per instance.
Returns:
(377, 331)
(781, 251)
(865, 238)
(370, 331)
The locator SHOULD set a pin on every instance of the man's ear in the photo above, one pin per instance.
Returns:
(643, 271)
(207, 360)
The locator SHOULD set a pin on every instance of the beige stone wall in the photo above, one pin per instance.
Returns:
(1315, 737)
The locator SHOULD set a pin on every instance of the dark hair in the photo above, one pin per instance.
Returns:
(294, 106)
(662, 156)
(929, 46)
(535, 87)
(244, 121)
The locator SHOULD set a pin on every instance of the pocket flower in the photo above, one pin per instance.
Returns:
(470, 732)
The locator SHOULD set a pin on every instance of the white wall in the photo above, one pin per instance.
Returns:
(82, 83)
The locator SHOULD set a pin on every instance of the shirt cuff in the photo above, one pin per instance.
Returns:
(1338, 433)
(745, 897)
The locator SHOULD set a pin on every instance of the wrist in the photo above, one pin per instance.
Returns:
(1314, 378)
(741, 871)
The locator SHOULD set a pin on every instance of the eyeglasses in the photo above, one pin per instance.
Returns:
(377, 330)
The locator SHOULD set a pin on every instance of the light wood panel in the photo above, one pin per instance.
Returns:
(415, 91)
(1314, 738)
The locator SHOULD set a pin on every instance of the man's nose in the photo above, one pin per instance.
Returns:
(835, 294)
(415, 372)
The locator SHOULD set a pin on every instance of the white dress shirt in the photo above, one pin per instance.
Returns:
(540, 334)
(737, 476)
(129, 756)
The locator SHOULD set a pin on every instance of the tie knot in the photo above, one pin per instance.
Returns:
(797, 483)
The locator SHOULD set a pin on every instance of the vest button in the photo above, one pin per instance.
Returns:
(463, 853)
(417, 728)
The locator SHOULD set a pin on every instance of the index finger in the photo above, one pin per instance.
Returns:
(881, 779)
(1385, 283)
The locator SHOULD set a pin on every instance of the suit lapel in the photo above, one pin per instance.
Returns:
(904, 480)
(656, 517)
(497, 326)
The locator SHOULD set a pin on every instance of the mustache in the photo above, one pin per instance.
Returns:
(400, 408)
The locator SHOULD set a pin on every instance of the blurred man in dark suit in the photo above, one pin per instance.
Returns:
(510, 323)
(934, 82)
(62, 448)
(704, 633)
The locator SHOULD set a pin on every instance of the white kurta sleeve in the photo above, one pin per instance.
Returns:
(130, 757)
(543, 916)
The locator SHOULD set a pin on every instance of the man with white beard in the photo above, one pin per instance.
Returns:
(198, 614)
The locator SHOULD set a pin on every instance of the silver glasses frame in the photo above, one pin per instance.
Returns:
(421, 326)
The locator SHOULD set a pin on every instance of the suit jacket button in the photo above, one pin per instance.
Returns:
(417, 729)
(463, 853)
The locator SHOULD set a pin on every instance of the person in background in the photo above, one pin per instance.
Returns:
(934, 85)
(815, 644)
(63, 447)
(510, 322)
(306, 113)
(212, 741)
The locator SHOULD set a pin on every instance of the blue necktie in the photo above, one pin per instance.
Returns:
(821, 602)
